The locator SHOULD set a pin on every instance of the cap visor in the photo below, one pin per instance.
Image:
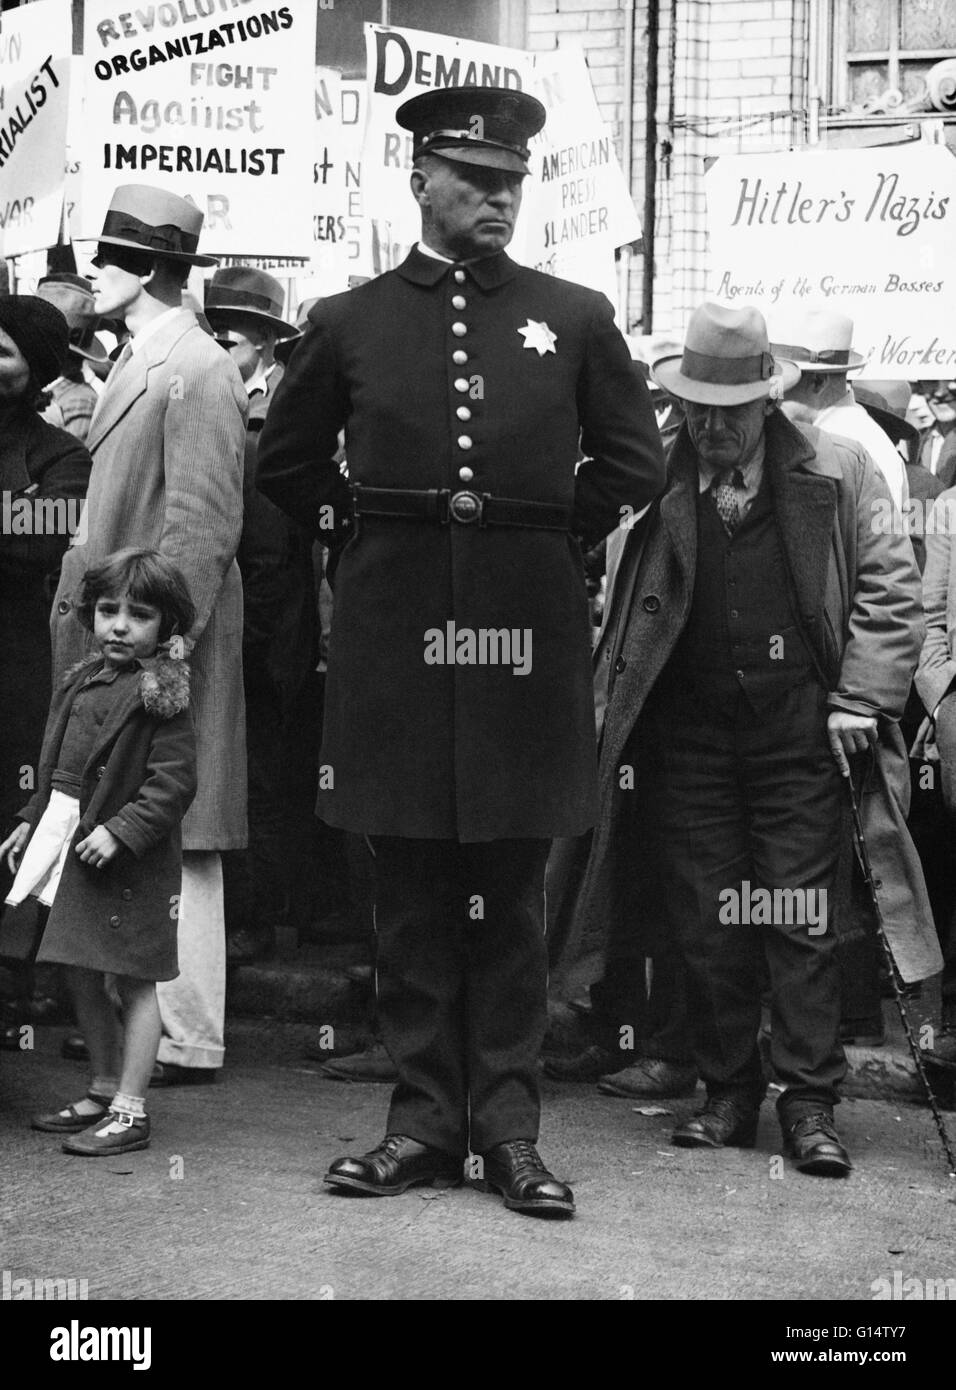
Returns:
(485, 156)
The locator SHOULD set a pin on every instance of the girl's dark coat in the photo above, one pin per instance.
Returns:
(138, 782)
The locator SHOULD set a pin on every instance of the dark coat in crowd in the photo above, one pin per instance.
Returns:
(467, 751)
(38, 463)
(138, 782)
(857, 591)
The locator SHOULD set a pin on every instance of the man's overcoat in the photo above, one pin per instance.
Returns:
(513, 375)
(856, 589)
(167, 441)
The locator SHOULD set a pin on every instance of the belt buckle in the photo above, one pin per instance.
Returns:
(466, 508)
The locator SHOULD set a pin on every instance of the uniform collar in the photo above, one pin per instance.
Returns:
(488, 273)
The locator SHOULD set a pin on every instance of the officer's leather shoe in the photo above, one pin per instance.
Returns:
(588, 1065)
(813, 1144)
(515, 1170)
(723, 1121)
(396, 1164)
(651, 1076)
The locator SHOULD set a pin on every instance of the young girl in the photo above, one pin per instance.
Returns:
(100, 839)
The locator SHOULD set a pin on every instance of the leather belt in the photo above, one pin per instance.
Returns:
(467, 508)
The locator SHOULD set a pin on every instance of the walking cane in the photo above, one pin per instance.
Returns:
(917, 1055)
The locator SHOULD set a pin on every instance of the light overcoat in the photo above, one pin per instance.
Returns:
(167, 441)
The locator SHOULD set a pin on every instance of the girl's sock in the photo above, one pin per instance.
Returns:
(134, 1106)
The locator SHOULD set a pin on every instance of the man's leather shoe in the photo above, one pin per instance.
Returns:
(373, 1065)
(588, 1065)
(651, 1076)
(723, 1121)
(813, 1144)
(515, 1170)
(396, 1164)
(171, 1074)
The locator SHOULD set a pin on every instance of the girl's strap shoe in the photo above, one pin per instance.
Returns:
(69, 1120)
(116, 1134)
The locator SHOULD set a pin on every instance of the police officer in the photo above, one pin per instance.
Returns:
(459, 725)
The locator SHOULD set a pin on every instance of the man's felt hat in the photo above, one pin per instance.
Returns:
(73, 296)
(887, 402)
(490, 126)
(39, 330)
(143, 218)
(726, 360)
(241, 289)
(819, 341)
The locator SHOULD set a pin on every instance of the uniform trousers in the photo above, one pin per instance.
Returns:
(753, 798)
(193, 1006)
(461, 985)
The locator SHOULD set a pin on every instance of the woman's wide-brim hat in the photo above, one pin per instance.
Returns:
(40, 331)
(726, 360)
(241, 289)
(73, 296)
(143, 218)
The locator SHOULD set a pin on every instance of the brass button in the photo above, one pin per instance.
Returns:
(114, 921)
(464, 441)
(459, 357)
(466, 474)
(63, 607)
(463, 413)
(651, 604)
(458, 301)
(127, 895)
(459, 277)
(461, 383)
(459, 329)
(620, 664)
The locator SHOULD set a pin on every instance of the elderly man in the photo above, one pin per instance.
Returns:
(765, 633)
(818, 342)
(938, 449)
(468, 387)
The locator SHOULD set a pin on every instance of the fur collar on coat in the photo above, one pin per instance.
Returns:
(163, 683)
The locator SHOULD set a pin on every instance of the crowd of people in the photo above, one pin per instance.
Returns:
(551, 659)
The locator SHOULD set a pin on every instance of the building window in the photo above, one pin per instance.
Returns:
(883, 49)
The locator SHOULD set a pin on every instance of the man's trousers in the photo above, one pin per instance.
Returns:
(747, 802)
(193, 1006)
(461, 981)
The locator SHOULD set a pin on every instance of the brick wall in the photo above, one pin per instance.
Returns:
(738, 73)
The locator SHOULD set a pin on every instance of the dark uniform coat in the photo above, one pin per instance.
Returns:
(138, 782)
(857, 589)
(428, 372)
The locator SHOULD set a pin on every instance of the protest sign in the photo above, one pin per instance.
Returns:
(35, 47)
(213, 102)
(341, 235)
(401, 64)
(576, 208)
(866, 232)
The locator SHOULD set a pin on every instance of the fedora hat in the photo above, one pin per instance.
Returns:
(887, 402)
(819, 341)
(726, 360)
(241, 289)
(490, 126)
(73, 296)
(143, 218)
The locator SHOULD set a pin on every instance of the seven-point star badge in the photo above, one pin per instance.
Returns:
(539, 335)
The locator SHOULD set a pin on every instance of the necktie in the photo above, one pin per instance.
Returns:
(724, 488)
